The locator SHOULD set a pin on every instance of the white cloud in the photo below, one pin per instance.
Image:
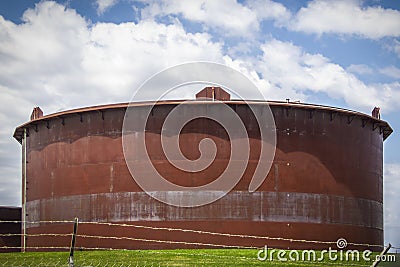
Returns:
(391, 71)
(267, 9)
(241, 20)
(392, 46)
(55, 52)
(347, 17)
(359, 69)
(10, 186)
(392, 203)
(392, 188)
(125, 55)
(42, 54)
(396, 48)
(288, 67)
(103, 5)
(227, 15)
(270, 91)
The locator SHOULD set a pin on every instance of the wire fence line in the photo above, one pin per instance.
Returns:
(186, 231)
(207, 259)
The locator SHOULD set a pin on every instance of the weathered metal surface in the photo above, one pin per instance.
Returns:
(325, 183)
(14, 228)
(238, 205)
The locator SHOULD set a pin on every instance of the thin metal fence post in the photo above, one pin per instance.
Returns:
(378, 260)
(72, 248)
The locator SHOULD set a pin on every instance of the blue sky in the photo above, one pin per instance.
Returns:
(66, 54)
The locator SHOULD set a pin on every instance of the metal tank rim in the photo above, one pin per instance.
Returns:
(384, 126)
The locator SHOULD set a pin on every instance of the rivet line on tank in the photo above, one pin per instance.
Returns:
(333, 115)
(350, 119)
(311, 113)
(364, 122)
(287, 111)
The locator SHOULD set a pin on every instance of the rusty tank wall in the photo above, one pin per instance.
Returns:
(325, 182)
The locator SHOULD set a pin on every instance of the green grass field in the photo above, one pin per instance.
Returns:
(180, 257)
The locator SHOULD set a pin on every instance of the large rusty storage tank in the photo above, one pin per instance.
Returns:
(325, 182)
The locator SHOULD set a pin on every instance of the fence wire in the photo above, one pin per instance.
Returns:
(195, 231)
(153, 257)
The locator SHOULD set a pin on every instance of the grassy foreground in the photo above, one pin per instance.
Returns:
(179, 257)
